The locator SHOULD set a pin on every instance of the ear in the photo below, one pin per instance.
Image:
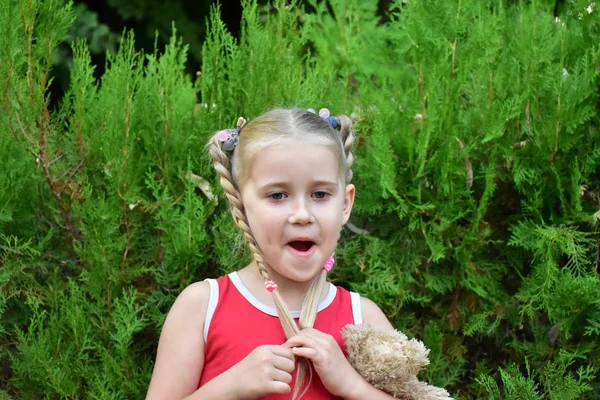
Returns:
(348, 203)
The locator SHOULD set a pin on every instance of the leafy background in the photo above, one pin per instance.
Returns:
(476, 223)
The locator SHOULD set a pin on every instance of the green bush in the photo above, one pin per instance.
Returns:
(477, 173)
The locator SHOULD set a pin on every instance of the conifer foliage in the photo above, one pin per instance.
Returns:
(477, 220)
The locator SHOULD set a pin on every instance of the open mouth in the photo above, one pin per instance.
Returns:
(301, 246)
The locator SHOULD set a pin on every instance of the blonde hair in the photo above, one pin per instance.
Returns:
(265, 130)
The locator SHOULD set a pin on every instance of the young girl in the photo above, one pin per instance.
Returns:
(287, 177)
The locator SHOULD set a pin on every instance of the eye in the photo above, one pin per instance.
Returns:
(277, 196)
(320, 195)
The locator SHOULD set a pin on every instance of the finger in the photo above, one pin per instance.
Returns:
(283, 351)
(302, 340)
(278, 387)
(318, 340)
(284, 363)
(308, 353)
(282, 376)
(317, 335)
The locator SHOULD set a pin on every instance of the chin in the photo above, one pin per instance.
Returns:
(300, 276)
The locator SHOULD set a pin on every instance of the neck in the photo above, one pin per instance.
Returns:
(292, 292)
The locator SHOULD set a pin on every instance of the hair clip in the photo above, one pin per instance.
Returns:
(326, 115)
(230, 137)
(328, 264)
(270, 286)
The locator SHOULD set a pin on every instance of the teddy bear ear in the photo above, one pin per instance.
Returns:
(390, 361)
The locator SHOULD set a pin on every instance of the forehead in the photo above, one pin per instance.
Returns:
(294, 160)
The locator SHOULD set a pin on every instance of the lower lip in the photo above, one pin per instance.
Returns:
(303, 254)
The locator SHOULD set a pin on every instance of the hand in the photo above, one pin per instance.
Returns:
(266, 370)
(329, 361)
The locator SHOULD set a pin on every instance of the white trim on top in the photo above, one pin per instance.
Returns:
(356, 308)
(244, 291)
(212, 305)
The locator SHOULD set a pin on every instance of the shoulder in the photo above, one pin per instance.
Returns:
(180, 354)
(188, 312)
(372, 315)
(192, 301)
(194, 295)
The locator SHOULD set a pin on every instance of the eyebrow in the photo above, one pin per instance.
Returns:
(285, 184)
(325, 182)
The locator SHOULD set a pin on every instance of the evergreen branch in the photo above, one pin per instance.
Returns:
(11, 250)
(453, 311)
(422, 121)
(166, 141)
(128, 238)
(124, 186)
(203, 185)
(29, 139)
(56, 189)
(453, 68)
(28, 27)
(597, 261)
(356, 229)
(468, 165)
(55, 160)
(491, 91)
(169, 290)
(557, 129)
(72, 174)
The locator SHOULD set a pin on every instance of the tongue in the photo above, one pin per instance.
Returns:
(301, 246)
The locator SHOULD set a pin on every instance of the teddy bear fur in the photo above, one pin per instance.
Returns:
(390, 361)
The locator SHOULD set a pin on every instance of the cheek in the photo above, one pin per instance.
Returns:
(266, 226)
(332, 216)
(332, 223)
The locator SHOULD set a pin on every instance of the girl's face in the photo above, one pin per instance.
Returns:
(296, 206)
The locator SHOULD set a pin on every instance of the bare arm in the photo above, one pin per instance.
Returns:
(180, 355)
(372, 316)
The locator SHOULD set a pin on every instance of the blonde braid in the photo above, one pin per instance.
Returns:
(221, 164)
(347, 143)
(290, 328)
(311, 301)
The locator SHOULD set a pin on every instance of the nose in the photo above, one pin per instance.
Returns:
(301, 214)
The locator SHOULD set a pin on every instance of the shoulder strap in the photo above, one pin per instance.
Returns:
(356, 308)
(212, 305)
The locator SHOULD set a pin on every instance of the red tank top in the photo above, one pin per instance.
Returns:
(237, 323)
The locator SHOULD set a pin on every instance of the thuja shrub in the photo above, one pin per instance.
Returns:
(478, 190)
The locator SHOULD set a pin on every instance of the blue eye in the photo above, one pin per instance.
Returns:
(320, 195)
(277, 196)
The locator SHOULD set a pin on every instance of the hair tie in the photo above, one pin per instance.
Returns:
(230, 137)
(326, 115)
(328, 264)
(270, 286)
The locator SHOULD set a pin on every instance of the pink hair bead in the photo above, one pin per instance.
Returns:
(328, 264)
(324, 113)
(270, 286)
(223, 136)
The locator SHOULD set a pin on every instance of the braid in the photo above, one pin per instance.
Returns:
(311, 301)
(310, 304)
(347, 142)
(221, 164)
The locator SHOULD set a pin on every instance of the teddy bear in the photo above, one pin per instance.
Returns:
(389, 361)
